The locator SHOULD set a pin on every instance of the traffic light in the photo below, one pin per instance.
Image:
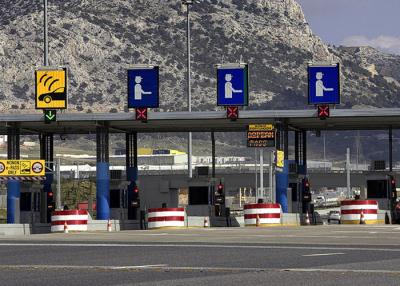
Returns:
(393, 191)
(50, 115)
(306, 194)
(219, 194)
(135, 197)
(50, 204)
(220, 188)
(323, 111)
(232, 112)
(141, 114)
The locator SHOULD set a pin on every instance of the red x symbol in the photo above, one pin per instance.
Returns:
(323, 111)
(141, 114)
(232, 112)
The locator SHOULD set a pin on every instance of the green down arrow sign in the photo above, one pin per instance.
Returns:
(50, 115)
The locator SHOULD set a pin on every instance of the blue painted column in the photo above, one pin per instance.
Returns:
(13, 196)
(13, 186)
(102, 174)
(282, 183)
(103, 190)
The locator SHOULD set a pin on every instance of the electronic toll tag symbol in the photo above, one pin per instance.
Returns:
(51, 88)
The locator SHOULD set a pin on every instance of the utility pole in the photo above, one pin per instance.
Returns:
(348, 173)
(46, 41)
(189, 95)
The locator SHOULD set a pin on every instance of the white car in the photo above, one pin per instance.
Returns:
(334, 216)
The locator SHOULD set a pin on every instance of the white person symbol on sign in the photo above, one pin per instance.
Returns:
(138, 89)
(229, 90)
(319, 85)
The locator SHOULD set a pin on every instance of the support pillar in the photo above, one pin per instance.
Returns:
(131, 171)
(13, 186)
(47, 154)
(102, 174)
(304, 137)
(390, 149)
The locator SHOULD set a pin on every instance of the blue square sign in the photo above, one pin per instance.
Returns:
(232, 85)
(324, 84)
(143, 86)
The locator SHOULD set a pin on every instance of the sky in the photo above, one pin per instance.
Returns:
(374, 23)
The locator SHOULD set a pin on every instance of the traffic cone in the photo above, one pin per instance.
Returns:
(257, 220)
(307, 222)
(206, 222)
(109, 226)
(362, 218)
(65, 227)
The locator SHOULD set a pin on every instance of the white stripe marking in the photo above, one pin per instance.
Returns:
(323, 254)
(200, 246)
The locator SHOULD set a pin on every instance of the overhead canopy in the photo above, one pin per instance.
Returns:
(85, 123)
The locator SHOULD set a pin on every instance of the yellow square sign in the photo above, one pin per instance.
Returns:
(280, 158)
(51, 88)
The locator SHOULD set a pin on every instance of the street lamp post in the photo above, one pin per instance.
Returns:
(189, 96)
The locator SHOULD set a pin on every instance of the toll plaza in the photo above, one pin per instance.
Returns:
(202, 191)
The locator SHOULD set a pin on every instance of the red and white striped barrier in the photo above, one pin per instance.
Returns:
(269, 214)
(76, 220)
(166, 217)
(351, 211)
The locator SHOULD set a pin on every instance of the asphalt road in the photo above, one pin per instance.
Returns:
(322, 255)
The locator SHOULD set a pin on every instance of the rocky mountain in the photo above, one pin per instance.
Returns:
(98, 40)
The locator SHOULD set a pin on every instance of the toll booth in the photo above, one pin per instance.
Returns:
(29, 203)
(382, 188)
(118, 195)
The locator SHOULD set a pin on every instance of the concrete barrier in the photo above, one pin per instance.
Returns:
(166, 217)
(15, 229)
(77, 220)
(268, 214)
(350, 211)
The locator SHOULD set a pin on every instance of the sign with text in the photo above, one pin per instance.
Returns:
(261, 135)
(22, 168)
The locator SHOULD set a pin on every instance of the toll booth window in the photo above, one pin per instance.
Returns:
(115, 198)
(377, 189)
(198, 195)
(25, 202)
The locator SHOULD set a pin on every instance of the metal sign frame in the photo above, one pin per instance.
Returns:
(324, 65)
(131, 102)
(65, 88)
(245, 68)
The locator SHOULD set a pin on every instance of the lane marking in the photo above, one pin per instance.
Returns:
(323, 254)
(198, 246)
(193, 268)
(82, 267)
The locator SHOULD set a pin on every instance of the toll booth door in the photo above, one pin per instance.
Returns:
(198, 195)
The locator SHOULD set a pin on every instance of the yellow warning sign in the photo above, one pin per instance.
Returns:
(51, 88)
(280, 158)
(22, 168)
(261, 127)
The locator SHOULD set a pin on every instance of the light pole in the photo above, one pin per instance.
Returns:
(189, 96)
(45, 35)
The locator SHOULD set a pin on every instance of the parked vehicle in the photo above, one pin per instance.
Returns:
(334, 216)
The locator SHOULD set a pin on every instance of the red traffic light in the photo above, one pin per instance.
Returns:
(323, 111)
(49, 194)
(141, 114)
(136, 190)
(232, 112)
